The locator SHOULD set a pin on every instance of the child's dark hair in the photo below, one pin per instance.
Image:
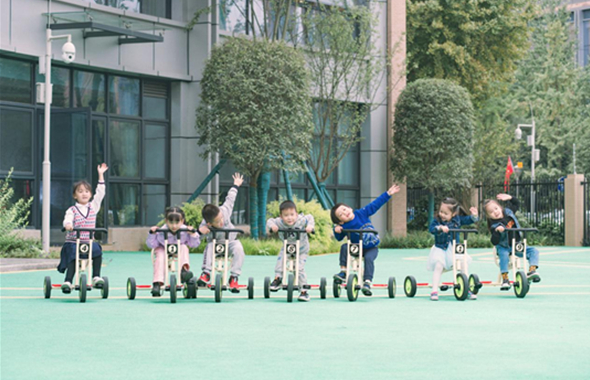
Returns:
(333, 216)
(81, 183)
(454, 205)
(486, 202)
(287, 205)
(210, 212)
(174, 214)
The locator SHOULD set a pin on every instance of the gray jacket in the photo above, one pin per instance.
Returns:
(226, 210)
(301, 222)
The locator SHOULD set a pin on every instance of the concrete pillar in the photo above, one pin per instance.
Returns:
(574, 210)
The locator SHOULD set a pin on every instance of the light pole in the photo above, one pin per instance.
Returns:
(535, 156)
(68, 55)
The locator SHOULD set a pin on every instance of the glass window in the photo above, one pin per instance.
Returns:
(60, 78)
(16, 140)
(297, 193)
(294, 177)
(124, 148)
(89, 90)
(98, 157)
(350, 197)
(123, 204)
(61, 199)
(155, 151)
(154, 203)
(348, 168)
(586, 36)
(124, 95)
(154, 108)
(15, 81)
(156, 8)
(232, 16)
(68, 149)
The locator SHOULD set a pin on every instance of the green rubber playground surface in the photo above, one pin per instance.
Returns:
(545, 335)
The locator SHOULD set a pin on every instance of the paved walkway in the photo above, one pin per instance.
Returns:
(15, 265)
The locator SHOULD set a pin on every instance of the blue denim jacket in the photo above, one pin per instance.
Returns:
(442, 239)
(503, 239)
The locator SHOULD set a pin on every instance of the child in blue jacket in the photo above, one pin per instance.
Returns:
(346, 218)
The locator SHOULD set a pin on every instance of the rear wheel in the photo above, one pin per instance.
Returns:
(410, 287)
(323, 288)
(250, 288)
(352, 290)
(47, 287)
(267, 287)
(474, 283)
(460, 289)
(131, 288)
(83, 288)
(218, 287)
(391, 287)
(336, 289)
(521, 285)
(173, 288)
(104, 291)
(290, 287)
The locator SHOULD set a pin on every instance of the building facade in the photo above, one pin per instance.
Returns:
(129, 99)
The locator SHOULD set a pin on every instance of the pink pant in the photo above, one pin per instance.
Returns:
(160, 262)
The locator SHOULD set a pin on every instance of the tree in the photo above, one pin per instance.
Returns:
(471, 42)
(433, 140)
(255, 108)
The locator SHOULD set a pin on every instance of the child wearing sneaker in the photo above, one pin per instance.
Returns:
(501, 219)
(346, 218)
(290, 219)
(441, 253)
(82, 215)
(174, 217)
(220, 217)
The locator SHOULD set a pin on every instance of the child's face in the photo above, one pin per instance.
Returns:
(494, 211)
(445, 213)
(217, 222)
(289, 216)
(174, 225)
(344, 214)
(82, 195)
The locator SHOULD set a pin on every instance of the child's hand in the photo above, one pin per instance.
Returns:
(444, 229)
(308, 229)
(238, 179)
(500, 229)
(473, 211)
(102, 168)
(504, 197)
(69, 227)
(338, 229)
(204, 230)
(274, 228)
(192, 230)
(393, 189)
(153, 229)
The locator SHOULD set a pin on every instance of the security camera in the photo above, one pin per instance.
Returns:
(68, 52)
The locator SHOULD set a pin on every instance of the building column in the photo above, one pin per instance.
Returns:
(574, 210)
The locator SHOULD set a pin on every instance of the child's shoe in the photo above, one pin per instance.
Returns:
(275, 285)
(186, 275)
(233, 284)
(303, 297)
(505, 284)
(340, 277)
(532, 275)
(366, 289)
(471, 296)
(204, 279)
(97, 282)
(434, 296)
(156, 289)
(66, 287)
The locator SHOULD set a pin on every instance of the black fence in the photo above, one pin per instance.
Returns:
(586, 240)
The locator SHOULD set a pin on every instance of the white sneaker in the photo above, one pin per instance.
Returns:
(66, 287)
(97, 281)
(471, 296)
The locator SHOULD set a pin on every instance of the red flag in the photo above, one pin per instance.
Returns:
(509, 171)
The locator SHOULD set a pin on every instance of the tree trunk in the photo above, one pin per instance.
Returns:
(253, 209)
(263, 187)
(430, 206)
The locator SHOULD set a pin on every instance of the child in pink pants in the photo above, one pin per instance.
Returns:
(174, 222)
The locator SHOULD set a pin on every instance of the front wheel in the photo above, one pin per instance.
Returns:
(131, 288)
(521, 285)
(336, 289)
(250, 288)
(267, 287)
(104, 291)
(460, 289)
(352, 290)
(391, 287)
(83, 287)
(218, 287)
(474, 284)
(47, 287)
(323, 288)
(290, 287)
(173, 288)
(410, 286)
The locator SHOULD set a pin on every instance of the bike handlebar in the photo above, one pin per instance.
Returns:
(166, 231)
(78, 230)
